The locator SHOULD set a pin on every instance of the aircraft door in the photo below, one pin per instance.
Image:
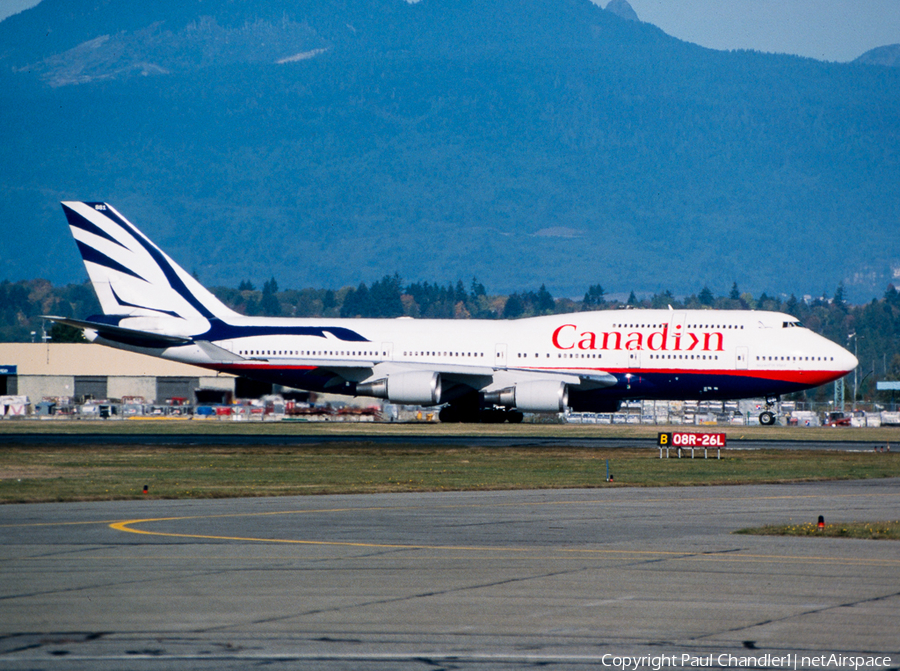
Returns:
(676, 323)
(500, 355)
(387, 351)
(634, 359)
(741, 358)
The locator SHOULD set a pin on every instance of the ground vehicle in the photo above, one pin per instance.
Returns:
(836, 419)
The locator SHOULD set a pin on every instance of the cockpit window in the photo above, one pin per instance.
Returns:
(794, 324)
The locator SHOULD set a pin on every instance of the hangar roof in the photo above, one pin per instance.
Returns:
(88, 359)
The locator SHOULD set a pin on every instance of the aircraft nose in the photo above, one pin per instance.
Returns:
(845, 360)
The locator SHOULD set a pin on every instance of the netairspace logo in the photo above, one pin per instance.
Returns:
(728, 660)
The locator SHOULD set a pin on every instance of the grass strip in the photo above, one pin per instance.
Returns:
(91, 473)
(889, 436)
(863, 530)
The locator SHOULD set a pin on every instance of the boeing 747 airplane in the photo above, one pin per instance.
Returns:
(478, 370)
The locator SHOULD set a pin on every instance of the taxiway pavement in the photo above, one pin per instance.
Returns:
(489, 580)
(854, 443)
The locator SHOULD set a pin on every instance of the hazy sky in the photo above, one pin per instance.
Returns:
(8, 7)
(832, 30)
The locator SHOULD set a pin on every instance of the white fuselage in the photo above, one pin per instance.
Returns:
(651, 353)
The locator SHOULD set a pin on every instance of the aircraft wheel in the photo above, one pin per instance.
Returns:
(450, 415)
(767, 418)
(492, 417)
(515, 417)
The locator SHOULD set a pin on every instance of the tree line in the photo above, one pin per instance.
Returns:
(871, 330)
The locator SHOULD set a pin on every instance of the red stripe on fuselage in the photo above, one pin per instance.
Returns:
(252, 366)
(813, 378)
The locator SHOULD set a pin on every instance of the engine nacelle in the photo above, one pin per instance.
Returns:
(539, 396)
(418, 388)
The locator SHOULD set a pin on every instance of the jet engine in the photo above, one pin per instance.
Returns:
(418, 388)
(538, 396)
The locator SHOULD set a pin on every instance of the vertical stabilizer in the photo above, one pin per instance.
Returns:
(131, 275)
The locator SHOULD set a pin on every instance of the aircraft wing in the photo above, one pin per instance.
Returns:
(596, 379)
(216, 353)
(481, 377)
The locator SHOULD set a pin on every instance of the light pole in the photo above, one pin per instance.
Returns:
(856, 340)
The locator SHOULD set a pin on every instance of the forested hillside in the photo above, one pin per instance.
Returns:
(527, 142)
(876, 324)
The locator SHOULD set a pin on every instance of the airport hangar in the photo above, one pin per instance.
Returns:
(85, 371)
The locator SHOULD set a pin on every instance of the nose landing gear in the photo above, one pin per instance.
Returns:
(767, 417)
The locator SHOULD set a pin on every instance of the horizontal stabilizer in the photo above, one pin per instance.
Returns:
(122, 335)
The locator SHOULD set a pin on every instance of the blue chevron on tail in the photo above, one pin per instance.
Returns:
(135, 281)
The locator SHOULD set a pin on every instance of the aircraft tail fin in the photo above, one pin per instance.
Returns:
(132, 276)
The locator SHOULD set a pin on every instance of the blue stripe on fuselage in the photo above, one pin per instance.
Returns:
(219, 330)
(637, 385)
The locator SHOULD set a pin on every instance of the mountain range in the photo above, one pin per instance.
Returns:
(523, 142)
(888, 55)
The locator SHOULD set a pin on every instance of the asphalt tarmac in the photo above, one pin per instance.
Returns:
(425, 439)
(560, 579)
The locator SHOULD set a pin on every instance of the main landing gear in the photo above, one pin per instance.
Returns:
(767, 417)
(472, 409)
(454, 414)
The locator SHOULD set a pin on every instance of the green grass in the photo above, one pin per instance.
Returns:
(886, 435)
(81, 473)
(863, 530)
